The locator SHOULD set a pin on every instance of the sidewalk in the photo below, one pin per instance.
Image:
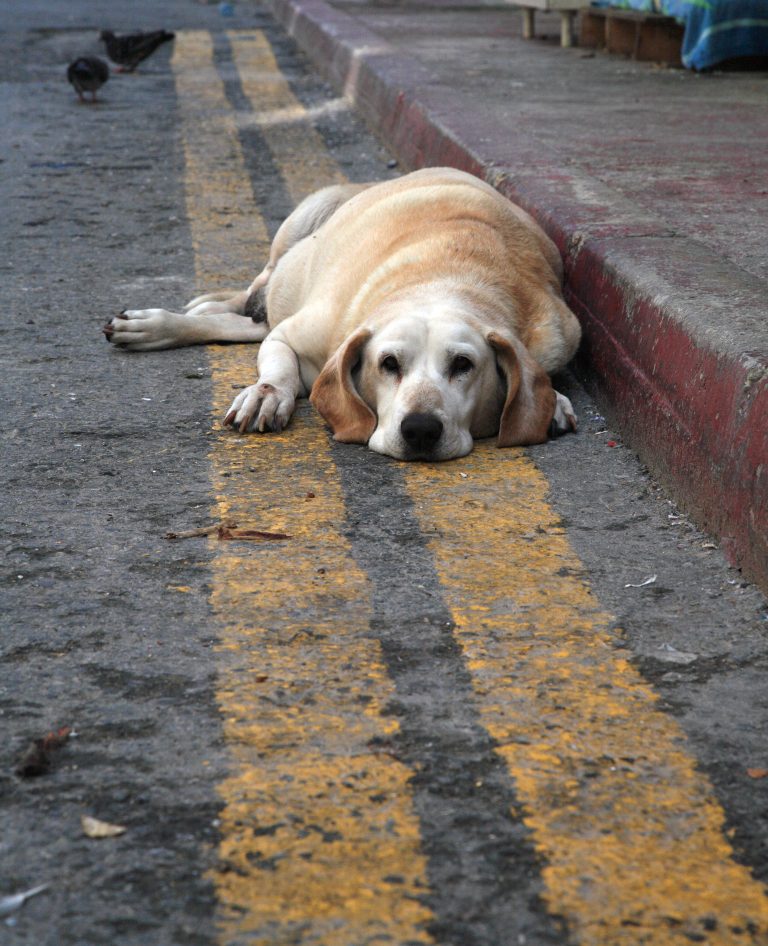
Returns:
(653, 183)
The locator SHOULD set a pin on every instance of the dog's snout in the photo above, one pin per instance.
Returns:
(421, 431)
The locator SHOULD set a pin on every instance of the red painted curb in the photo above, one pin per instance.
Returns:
(672, 345)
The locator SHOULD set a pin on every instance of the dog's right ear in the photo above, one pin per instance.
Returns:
(336, 398)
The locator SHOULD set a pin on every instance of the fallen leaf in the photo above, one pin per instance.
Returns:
(757, 773)
(251, 535)
(94, 828)
(203, 530)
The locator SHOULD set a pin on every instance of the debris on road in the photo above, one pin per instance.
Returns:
(648, 581)
(250, 534)
(36, 759)
(202, 531)
(93, 828)
(671, 655)
(757, 773)
(228, 531)
(13, 902)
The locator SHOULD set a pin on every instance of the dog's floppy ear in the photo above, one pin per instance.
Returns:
(336, 398)
(530, 402)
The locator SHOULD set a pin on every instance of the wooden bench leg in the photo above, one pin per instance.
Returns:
(528, 23)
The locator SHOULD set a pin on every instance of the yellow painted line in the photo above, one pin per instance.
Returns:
(295, 145)
(631, 835)
(319, 840)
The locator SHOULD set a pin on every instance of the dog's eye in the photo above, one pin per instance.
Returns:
(460, 365)
(390, 364)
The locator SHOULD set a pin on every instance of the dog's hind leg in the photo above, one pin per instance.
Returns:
(213, 303)
(308, 217)
(229, 296)
(153, 329)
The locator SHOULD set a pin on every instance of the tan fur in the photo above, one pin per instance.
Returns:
(420, 313)
(437, 266)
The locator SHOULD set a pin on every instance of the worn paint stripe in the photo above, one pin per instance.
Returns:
(319, 840)
(631, 834)
(609, 789)
(295, 145)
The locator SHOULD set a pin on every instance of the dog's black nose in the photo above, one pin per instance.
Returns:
(421, 431)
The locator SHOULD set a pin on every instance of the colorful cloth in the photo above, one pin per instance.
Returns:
(715, 30)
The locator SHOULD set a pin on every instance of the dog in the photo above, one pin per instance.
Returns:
(418, 314)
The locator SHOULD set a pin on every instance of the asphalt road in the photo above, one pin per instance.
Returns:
(513, 699)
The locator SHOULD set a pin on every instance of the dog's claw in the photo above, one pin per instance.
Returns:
(229, 418)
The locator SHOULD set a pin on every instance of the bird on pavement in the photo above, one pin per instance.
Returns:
(132, 48)
(87, 74)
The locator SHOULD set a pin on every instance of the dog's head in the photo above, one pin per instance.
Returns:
(424, 385)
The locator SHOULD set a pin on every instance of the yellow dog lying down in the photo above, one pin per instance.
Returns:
(417, 314)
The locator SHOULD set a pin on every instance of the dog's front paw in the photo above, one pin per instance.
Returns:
(146, 329)
(263, 407)
(565, 417)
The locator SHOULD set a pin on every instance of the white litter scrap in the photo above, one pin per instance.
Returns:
(94, 828)
(12, 903)
(642, 584)
(671, 655)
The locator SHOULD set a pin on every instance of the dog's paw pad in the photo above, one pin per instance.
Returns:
(262, 407)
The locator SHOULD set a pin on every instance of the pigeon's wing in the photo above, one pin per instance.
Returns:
(98, 67)
(144, 44)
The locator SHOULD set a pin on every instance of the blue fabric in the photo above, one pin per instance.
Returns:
(715, 30)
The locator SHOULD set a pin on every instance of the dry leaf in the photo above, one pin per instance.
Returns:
(94, 828)
(225, 533)
(757, 773)
(202, 531)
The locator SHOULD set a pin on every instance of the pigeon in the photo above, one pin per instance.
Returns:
(129, 50)
(87, 74)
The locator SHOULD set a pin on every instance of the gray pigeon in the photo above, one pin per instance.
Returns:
(87, 74)
(129, 50)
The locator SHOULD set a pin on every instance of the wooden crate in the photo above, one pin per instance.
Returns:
(649, 37)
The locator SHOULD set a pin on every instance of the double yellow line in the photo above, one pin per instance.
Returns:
(320, 841)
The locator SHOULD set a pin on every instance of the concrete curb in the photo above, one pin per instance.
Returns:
(675, 349)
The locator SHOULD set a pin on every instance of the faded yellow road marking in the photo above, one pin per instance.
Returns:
(631, 833)
(296, 146)
(319, 841)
